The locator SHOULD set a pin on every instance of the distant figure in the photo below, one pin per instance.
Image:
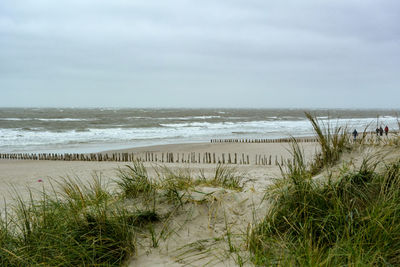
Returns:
(381, 131)
(386, 130)
(377, 131)
(355, 133)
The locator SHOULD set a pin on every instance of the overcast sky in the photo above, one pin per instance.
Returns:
(208, 53)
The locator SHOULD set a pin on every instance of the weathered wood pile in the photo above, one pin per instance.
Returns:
(279, 140)
(192, 157)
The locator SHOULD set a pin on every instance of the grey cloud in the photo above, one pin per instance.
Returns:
(244, 53)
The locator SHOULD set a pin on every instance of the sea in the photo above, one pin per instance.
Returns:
(89, 130)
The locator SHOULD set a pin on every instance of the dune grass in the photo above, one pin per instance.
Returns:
(134, 180)
(333, 141)
(81, 225)
(351, 218)
(227, 177)
(86, 224)
(351, 221)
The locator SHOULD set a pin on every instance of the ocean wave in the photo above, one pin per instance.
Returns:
(188, 124)
(238, 125)
(26, 136)
(139, 117)
(203, 117)
(177, 118)
(15, 119)
(244, 132)
(64, 119)
(47, 119)
(292, 126)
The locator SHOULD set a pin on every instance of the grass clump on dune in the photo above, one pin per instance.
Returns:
(227, 177)
(134, 180)
(351, 219)
(83, 226)
(176, 184)
(333, 142)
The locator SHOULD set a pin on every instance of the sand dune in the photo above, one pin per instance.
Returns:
(202, 222)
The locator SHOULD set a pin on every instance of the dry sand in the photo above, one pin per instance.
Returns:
(252, 149)
(198, 232)
(22, 174)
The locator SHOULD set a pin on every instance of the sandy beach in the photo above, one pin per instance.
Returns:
(280, 149)
(196, 222)
(22, 174)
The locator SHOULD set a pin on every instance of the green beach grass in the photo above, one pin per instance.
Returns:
(79, 226)
(86, 224)
(347, 218)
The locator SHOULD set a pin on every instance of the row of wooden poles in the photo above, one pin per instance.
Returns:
(205, 158)
(371, 137)
(279, 140)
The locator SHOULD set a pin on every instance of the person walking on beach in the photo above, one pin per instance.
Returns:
(381, 131)
(377, 131)
(355, 133)
(386, 130)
